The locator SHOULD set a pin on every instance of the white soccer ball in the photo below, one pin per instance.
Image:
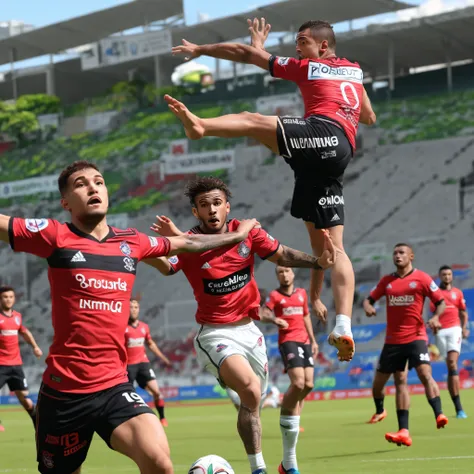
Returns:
(211, 464)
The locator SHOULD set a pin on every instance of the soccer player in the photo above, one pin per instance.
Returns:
(92, 268)
(317, 147)
(228, 344)
(11, 369)
(139, 367)
(406, 340)
(298, 349)
(454, 328)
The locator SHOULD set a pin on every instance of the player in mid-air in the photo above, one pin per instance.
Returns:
(406, 340)
(298, 349)
(228, 344)
(91, 270)
(11, 368)
(454, 327)
(139, 368)
(318, 146)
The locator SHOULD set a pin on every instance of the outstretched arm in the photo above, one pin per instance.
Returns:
(288, 257)
(239, 53)
(154, 348)
(162, 264)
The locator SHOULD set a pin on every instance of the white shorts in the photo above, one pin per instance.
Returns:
(449, 339)
(214, 344)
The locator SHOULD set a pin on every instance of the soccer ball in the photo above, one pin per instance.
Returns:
(211, 464)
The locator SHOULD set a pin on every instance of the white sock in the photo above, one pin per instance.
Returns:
(256, 461)
(290, 429)
(343, 326)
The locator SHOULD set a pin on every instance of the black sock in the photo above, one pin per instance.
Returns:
(160, 408)
(436, 405)
(457, 402)
(379, 405)
(402, 416)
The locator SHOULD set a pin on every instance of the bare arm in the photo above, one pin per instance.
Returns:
(4, 221)
(309, 328)
(288, 257)
(464, 320)
(162, 264)
(239, 53)
(434, 323)
(266, 315)
(367, 114)
(154, 348)
(29, 339)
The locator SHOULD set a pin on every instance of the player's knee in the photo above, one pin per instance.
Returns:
(308, 386)
(298, 383)
(250, 394)
(452, 365)
(155, 463)
(400, 380)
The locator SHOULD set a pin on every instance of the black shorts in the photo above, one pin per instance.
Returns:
(142, 373)
(296, 354)
(66, 423)
(318, 151)
(14, 376)
(394, 357)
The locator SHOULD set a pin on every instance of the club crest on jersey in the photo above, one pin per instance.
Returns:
(413, 284)
(143, 331)
(243, 250)
(453, 295)
(36, 225)
(129, 264)
(125, 249)
(301, 298)
(220, 347)
(17, 320)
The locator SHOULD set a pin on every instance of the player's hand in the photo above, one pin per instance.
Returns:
(245, 226)
(37, 352)
(281, 323)
(259, 30)
(434, 324)
(315, 349)
(369, 309)
(465, 333)
(320, 310)
(328, 257)
(165, 227)
(167, 362)
(190, 50)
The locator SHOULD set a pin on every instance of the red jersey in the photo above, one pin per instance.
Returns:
(10, 326)
(404, 299)
(135, 337)
(91, 285)
(223, 279)
(330, 87)
(292, 308)
(455, 302)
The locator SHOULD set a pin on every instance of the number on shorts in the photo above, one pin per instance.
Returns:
(25, 383)
(425, 357)
(311, 361)
(133, 397)
(301, 352)
(344, 86)
(152, 373)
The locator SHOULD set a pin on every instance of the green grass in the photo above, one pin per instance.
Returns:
(336, 439)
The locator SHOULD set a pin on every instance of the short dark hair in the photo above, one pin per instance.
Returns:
(134, 299)
(4, 289)
(71, 169)
(205, 184)
(403, 244)
(321, 30)
(444, 267)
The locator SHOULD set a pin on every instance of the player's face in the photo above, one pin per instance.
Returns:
(402, 256)
(307, 46)
(7, 300)
(134, 310)
(285, 276)
(86, 196)
(212, 209)
(446, 276)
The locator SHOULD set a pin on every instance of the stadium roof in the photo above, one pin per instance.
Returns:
(284, 15)
(88, 28)
(416, 43)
